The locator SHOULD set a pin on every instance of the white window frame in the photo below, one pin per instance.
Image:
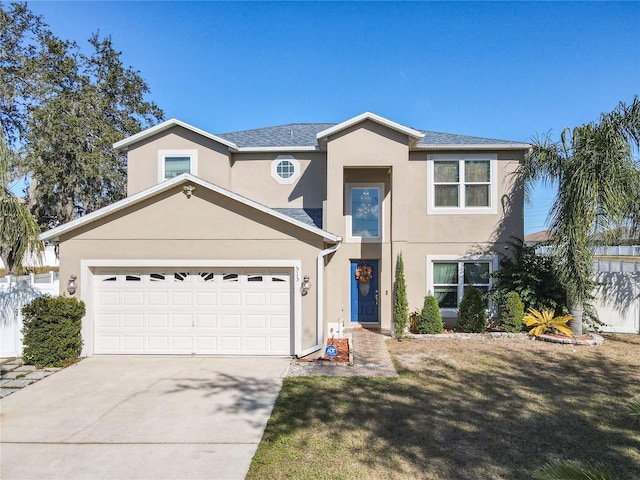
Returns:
(493, 261)
(462, 208)
(296, 169)
(193, 163)
(355, 238)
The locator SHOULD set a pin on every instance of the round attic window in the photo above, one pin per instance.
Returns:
(285, 169)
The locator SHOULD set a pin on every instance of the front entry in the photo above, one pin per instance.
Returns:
(364, 291)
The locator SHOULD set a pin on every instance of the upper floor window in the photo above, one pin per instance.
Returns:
(285, 169)
(172, 163)
(462, 183)
(364, 207)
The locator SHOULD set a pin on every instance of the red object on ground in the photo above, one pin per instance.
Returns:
(342, 345)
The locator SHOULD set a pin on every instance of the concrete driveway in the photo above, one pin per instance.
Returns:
(140, 418)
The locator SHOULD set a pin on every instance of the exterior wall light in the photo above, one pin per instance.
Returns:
(306, 285)
(188, 190)
(71, 288)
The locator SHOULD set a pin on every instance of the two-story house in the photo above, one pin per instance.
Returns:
(266, 241)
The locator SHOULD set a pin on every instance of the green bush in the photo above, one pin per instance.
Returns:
(400, 302)
(512, 313)
(430, 320)
(51, 331)
(472, 317)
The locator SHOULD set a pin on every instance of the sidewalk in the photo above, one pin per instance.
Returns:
(371, 358)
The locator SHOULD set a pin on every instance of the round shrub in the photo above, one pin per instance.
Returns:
(430, 319)
(51, 331)
(472, 316)
(512, 313)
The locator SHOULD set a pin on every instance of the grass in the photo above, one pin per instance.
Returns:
(461, 409)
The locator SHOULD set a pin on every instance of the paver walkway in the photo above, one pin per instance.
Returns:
(371, 358)
(14, 375)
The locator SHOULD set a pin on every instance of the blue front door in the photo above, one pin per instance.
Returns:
(364, 291)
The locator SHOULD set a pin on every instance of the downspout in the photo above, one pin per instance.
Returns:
(320, 298)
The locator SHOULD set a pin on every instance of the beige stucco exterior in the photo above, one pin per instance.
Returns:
(213, 227)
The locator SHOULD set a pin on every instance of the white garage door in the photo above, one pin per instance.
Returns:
(228, 312)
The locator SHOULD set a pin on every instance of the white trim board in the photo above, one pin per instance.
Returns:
(55, 233)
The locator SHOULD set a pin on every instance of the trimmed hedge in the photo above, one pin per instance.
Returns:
(472, 316)
(430, 319)
(51, 331)
(512, 314)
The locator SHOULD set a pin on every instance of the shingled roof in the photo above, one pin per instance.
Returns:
(304, 135)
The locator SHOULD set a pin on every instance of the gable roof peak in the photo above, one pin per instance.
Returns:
(166, 125)
(412, 133)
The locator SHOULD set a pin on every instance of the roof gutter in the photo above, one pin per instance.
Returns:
(481, 146)
(320, 298)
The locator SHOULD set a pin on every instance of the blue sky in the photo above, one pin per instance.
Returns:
(506, 70)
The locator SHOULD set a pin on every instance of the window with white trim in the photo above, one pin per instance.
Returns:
(172, 163)
(285, 169)
(462, 183)
(364, 207)
(450, 278)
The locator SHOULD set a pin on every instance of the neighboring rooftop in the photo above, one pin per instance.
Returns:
(537, 237)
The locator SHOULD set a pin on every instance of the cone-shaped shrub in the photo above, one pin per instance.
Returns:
(400, 302)
(512, 314)
(430, 320)
(472, 317)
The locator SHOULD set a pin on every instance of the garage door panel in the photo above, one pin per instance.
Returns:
(279, 299)
(278, 344)
(230, 299)
(108, 344)
(133, 320)
(158, 343)
(108, 298)
(133, 344)
(181, 299)
(280, 322)
(255, 344)
(255, 299)
(206, 298)
(155, 320)
(230, 321)
(183, 312)
(207, 321)
(133, 299)
(230, 344)
(206, 344)
(255, 321)
(182, 321)
(108, 320)
(158, 298)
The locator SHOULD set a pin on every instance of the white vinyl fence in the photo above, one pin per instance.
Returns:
(618, 295)
(15, 292)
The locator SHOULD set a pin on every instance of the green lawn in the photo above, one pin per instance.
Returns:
(461, 409)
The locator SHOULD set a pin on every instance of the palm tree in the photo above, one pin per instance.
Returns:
(19, 232)
(595, 168)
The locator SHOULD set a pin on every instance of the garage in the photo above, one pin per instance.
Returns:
(226, 311)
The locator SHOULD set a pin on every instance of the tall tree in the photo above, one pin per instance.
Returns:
(69, 137)
(19, 231)
(63, 109)
(23, 36)
(595, 168)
